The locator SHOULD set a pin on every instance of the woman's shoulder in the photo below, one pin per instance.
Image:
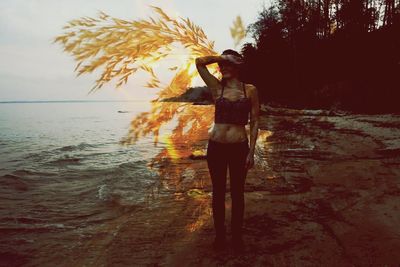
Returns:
(250, 88)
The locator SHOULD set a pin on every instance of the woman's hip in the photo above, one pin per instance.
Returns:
(227, 149)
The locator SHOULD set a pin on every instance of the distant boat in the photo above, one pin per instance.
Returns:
(123, 111)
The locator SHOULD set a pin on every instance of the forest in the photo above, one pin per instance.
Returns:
(330, 54)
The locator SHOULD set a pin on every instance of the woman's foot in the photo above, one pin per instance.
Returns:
(237, 244)
(219, 243)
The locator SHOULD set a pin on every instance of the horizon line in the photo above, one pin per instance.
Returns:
(68, 100)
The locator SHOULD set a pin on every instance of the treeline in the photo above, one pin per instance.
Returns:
(341, 54)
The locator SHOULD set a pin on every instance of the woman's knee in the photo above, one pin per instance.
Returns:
(218, 199)
(237, 196)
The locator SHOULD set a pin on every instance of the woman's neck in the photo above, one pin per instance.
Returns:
(232, 82)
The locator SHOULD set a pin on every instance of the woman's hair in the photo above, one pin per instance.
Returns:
(231, 52)
(240, 67)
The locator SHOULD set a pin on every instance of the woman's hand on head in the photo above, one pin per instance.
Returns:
(232, 58)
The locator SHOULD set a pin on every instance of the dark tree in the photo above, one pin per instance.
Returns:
(327, 53)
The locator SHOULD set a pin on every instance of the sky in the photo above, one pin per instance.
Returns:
(34, 68)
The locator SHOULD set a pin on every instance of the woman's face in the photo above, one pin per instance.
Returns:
(228, 70)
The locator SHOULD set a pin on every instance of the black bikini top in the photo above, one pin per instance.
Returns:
(234, 112)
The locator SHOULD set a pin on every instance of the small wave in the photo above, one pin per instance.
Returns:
(106, 194)
(14, 181)
(22, 220)
(24, 172)
(81, 146)
(66, 160)
(117, 199)
(38, 155)
(103, 192)
(34, 227)
(137, 164)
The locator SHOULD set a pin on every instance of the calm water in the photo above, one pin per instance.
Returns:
(61, 168)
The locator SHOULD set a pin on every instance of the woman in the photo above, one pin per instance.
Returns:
(228, 145)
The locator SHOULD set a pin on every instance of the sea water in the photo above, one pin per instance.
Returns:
(62, 168)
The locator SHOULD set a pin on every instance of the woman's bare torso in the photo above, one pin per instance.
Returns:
(228, 132)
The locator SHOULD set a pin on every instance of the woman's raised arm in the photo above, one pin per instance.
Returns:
(210, 80)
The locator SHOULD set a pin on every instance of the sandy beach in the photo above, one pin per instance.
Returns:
(324, 191)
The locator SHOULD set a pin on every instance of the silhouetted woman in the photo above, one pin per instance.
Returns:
(228, 144)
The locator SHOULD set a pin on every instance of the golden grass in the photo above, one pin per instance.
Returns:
(238, 31)
(123, 47)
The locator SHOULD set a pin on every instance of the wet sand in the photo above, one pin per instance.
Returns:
(325, 191)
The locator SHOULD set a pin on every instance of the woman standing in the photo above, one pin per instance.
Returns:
(228, 144)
